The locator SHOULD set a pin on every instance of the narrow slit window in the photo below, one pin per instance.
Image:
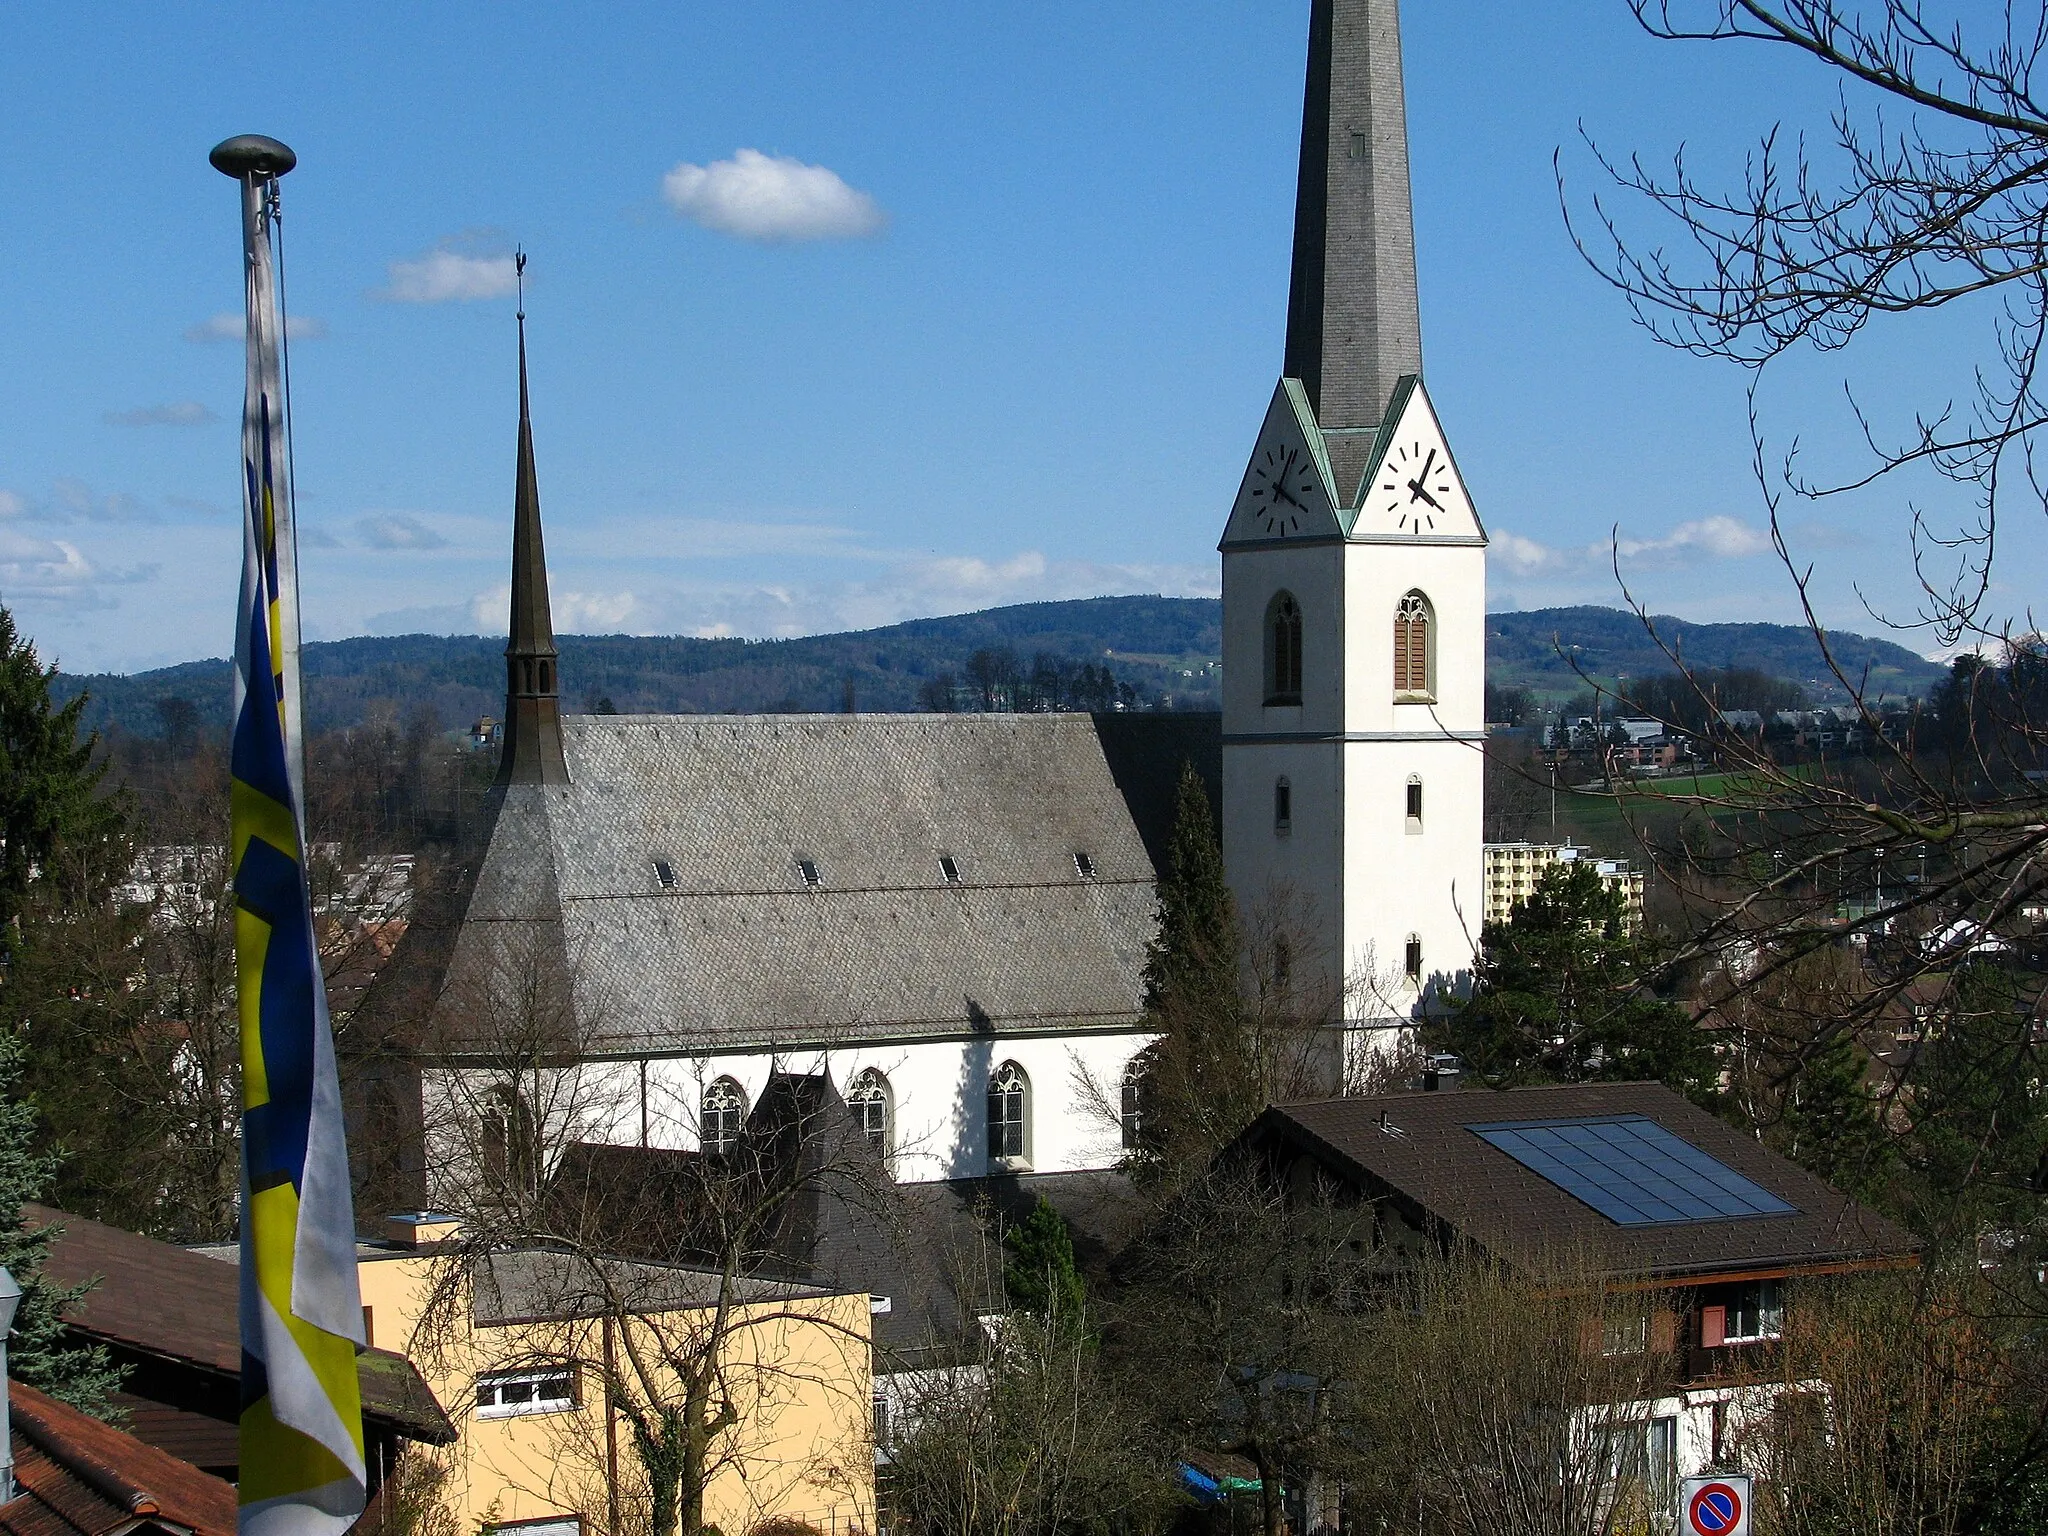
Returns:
(809, 871)
(1411, 957)
(1083, 865)
(1415, 799)
(665, 872)
(1283, 806)
(949, 868)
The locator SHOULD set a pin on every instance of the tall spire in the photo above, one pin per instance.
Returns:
(533, 712)
(1353, 324)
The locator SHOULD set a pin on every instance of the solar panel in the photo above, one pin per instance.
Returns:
(1632, 1170)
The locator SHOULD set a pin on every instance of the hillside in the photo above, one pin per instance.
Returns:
(1167, 646)
(1530, 649)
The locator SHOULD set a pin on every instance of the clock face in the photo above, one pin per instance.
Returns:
(1414, 488)
(1282, 490)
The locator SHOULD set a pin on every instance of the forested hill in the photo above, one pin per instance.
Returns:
(1531, 648)
(1166, 646)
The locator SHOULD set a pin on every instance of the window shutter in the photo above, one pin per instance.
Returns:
(1663, 1332)
(1713, 1327)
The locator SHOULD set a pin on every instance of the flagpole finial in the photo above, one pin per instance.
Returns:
(519, 275)
(252, 154)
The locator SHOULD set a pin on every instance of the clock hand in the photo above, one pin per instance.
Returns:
(1418, 489)
(1423, 473)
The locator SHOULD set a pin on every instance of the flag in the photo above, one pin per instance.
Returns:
(302, 1469)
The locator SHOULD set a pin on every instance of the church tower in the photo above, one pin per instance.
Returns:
(532, 753)
(1354, 588)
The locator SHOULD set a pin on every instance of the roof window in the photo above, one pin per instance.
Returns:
(809, 871)
(1083, 865)
(949, 868)
(665, 872)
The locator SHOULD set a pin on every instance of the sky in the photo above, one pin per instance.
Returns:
(841, 315)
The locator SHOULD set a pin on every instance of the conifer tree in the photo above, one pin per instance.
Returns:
(37, 1353)
(49, 784)
(1830, 1123)
(1560, 997)
(1039, 1273)
(1195, 955)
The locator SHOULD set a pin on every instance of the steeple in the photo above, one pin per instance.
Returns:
(533, 712)
(1353, 326)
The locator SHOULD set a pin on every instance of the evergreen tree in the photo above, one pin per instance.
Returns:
(1560, 997)
(1195, 955)
(1039, 1273)
(1829, 1124)
(50, 803)
(37, 1353)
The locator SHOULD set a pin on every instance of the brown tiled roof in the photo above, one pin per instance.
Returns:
(79, 1477)
(1421, 1146)
(165, 1301)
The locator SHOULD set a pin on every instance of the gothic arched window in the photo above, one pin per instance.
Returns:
(1137, 1089)
(1009, 1115)
(1413, 639)
(874, 1109)
(724, 1116)
(1283, 650)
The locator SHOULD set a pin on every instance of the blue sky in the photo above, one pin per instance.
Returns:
(1020, 352)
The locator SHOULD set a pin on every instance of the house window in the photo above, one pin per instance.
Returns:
(879, 1400)
(724, 1116)
(1009, 1115)
(809, 870)
(1755, 1311)
(1415, 804)
(1283, 806)
(1283, 650)
(1412, 641)
(949, 868)
(501, 1394)
(665, 872)
(1084, 866)
(873, 1107)
(1411, 957)
(1642, 1456)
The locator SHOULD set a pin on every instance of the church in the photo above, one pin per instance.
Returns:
(946, 916)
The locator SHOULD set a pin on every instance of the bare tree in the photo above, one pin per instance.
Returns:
(656, 1274)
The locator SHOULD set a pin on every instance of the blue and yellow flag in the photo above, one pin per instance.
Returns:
(302, 1471)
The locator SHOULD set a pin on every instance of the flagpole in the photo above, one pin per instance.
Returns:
(257, 161)
(302, 1466)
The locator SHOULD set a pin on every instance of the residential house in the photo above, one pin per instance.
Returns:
(1628, 1178)
(547, 1356)
(171, 1316)
(75, 1476)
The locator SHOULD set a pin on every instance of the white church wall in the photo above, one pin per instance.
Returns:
(1299, 871)
(1453, 578)
(1315, 575)
(938, 1091)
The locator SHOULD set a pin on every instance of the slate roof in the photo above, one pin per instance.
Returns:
(79, 1477)
(165, 1303)
(734, 948)
(1420, 1148)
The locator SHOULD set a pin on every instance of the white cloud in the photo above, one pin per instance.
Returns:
(445, 276)
(229, 325)
(1724, 538)
(11, 505)
(592, 613)
(73, 501)
(770, 198)
(1708, 538)
(178, 413)
(397, 530)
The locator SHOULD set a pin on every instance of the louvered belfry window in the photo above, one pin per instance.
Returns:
(1411, 645)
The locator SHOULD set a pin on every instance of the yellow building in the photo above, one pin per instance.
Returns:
(544, 1358)
(1512, 870)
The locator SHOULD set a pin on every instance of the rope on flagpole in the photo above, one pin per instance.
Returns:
(274, 209)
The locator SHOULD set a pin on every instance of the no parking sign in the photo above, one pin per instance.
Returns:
(1715, 1506)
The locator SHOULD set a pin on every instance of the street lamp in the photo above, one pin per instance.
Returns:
(10, 1298)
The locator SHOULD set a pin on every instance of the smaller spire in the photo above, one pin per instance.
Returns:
(532, 751)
